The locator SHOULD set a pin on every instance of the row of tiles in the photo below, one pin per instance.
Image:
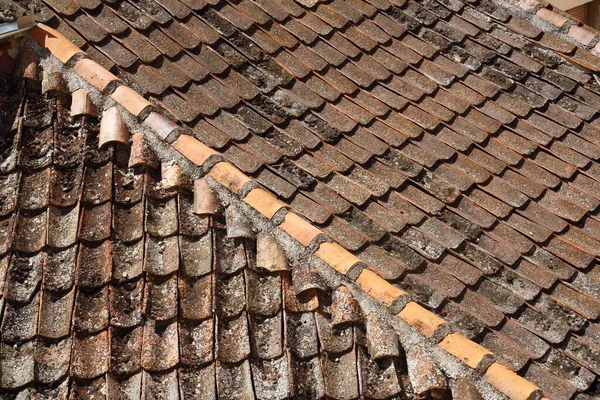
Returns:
(93, 304)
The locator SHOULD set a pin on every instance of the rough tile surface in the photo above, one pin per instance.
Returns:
(452, 146)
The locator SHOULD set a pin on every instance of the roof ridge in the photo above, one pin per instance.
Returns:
(557, 22)
(314, 239)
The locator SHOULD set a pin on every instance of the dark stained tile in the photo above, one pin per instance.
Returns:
(60, 269)
(552, 330)
(62, 226)
(270, 377)
(88, 27)
(19, 321)
(162, 255)
(117, 53)
(349, 190)
(90, 356)
(498, 188)
(530, 187)
(126, 304)
(532, 344)
(549, 383)
(334, 339)
(308, 377)
(161, 217)
(125, 350)
(139, 45)
(230, 350)
(301, 303)
(545, 259)
(235, 379)
(230, 298)
(345, 234)
(95, 222)
(468, 324)
(94, 267)
(561, 207)
(340, 375)
(128, 222)
(159, 346)
(442, 233)
(580, 303)
(196, 352)
(30, 232)
(160, 298)
(91, 311)
(194, 291)
(508, 352)
(425, 376)
(52, 363)
(34, 190)
(310, 209)
(572, 254)
(19, 361)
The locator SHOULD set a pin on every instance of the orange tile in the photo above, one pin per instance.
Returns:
(509, 383)
(336, 256)
(131, 100)
(264, 202)
(378, 287)
(423, 320)
(112, 128)
(205, 202)
(229, 176)
(57, 44)
(193, 149)
(299, 228)
(464, 349)
(81, 104)
(94, 73)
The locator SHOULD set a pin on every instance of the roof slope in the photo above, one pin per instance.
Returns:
(451, 145)
(122, 279)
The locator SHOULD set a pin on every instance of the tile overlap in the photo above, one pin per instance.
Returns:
(451, 145)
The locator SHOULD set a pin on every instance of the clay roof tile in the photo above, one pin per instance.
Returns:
(81, 104)
(112, 128)
(425, 377)
(269, 254)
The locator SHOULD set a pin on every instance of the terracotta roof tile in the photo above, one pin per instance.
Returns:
(299, 229)
(509, 383)
(52, 40)
(88, 27)
(423, 320)
(535, 164)
(378, 287)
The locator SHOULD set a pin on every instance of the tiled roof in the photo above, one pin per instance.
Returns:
(122, 278)
(450, 146)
